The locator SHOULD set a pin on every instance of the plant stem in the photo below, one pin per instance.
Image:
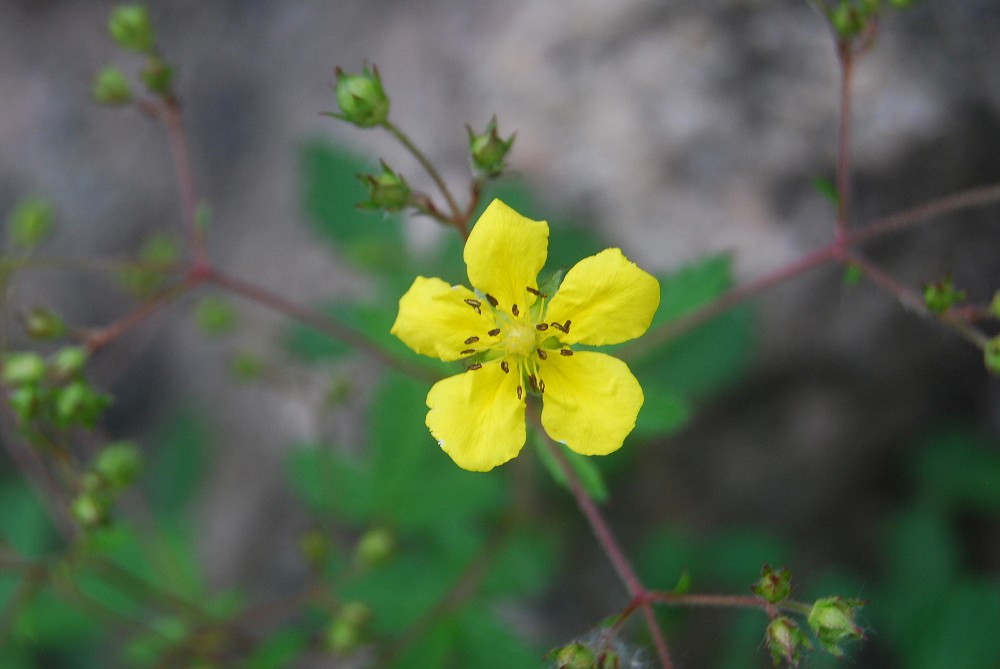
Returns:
(171, 118)
(845, 56)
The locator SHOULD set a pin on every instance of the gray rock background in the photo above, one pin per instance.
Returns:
(679, 129)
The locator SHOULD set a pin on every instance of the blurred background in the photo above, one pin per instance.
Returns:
(676, 130)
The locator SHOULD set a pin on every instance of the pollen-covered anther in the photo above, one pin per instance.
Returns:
(541, 385)
(468, 351)
(520, 392)
(475, 304)
(562, 327)
(505, 366)
(541, 354)
(472, 340)
(533, 382)
(492, 300)
(565, 351)
(535, 292)
(476, 365)
(494, 332)
(514, 310)
(542, 327)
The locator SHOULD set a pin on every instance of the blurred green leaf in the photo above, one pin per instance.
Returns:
(584, 466)
(24, 523)
(331, 483)
(331, 194)
(178, 464)
(279, 650)
(30, 222)
(525, 564)
(956, 469)
(663, 412)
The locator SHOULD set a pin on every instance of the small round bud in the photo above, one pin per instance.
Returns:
(942, 295)
(131, 28)
(786, 641)
(375, 547)
(23, 368)
(774, 586)
(118, 464)
(488, 151)
(44, 324)
(991, 355)
(832, 621)
(362, 100)
(847, 20)
(158, 77)
(215, 315)
(90, 510)
(346, 631)
(69, 362)
(111, 87)
(388, 190)
(315, 547)
(31, 222)
(574, 656)
(78, 404)
(25, 402)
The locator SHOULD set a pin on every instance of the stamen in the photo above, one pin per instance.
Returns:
(565, 351)
(542, 327)
(541, 385)
(566, 326)
(514, 310)
(541, 354)
(475, 304)
(557, 326)
(494, 332)
(535, 292)
(533, 381)
(476, 365)
(472, 340)
(492, 300)
(520, 392)
(468, 351)
(505, 367)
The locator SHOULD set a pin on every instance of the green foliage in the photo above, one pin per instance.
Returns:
(30, 222)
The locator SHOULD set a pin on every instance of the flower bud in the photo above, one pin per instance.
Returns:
(78, 404)
(362, 100)
(347, 630)
(90, 509)
(991, 355)
(574, 656)
(44, 324)
(31, 222)
(158, 77)
(118, 464)
(832, 621)
(942, 296)
(375, 547)
(131, 28)
(847, 20)
(23, 368)
(69, 362)
(774, 586)
(111, 87)
(487, 150)
(388, 190)
(786, 641)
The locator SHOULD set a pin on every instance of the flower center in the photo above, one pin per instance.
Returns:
(519, 337)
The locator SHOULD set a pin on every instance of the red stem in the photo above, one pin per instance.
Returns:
(171, 118)
(845, 56)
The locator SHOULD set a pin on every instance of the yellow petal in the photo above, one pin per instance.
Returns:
(504, 254)
(590, 401)
(437, 319)
(477, 418)
(606, 298)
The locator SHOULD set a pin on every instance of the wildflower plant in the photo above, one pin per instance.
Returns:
(485, 343)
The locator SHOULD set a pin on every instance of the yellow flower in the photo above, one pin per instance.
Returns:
(519, 342)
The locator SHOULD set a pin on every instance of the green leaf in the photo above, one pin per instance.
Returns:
(178, 464)
(524, 565)
(588, 473)
(24, 523)
(279, 650)
(331, 194)
(956, 469)
(330, 483)
(663, 412)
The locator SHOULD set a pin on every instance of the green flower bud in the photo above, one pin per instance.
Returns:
(78, 404)
(942, 296)
(375, 547)
(215, 315)
(131, 28)
(69, 361)
(158, 77)
(118, 464)
(111, 87)
(574, 656)
(90, 510)
(362, 100)
(847, 20)
(774, 586)
(786, 641)
(388, 190)
(832, 621)
(315, 547)
(31, 222)
(23, 368)
(488, 150)
(247, 366)
(994, 307)
(346, 631)
(991, 355)
(24, 402)
(44, 324)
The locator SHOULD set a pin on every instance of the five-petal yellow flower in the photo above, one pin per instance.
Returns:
(521, 343)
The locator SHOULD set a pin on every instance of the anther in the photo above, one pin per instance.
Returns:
(505, 367)
(520, 392)
(541, 385)
(558, 326)
(565, 351)
(475, 366)
(494, 332)
(542, 327)
(566, 326)
(533, 381)
(468, 351)
(514, 310)
(472, 340)
(492, 300)
(475, 304)
(541, 353)
(535, 292)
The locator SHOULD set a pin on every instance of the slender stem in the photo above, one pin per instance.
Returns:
(614, 552)
(101, 338)
(845, 56)
(171, 118)
(313, 319)
(458, 220)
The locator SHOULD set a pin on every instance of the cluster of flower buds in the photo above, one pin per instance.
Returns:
(131, 29)
(600, 649)
(774, 585)
(346, 632)
(112, 471)
(942, 295)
